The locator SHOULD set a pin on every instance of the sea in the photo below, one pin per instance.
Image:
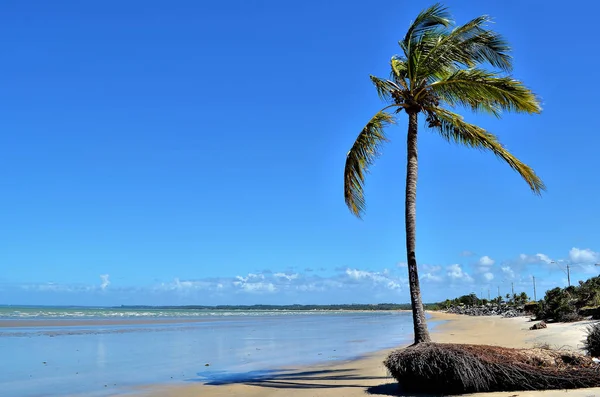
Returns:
(95, 351)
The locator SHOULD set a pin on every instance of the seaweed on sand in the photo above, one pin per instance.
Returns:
(459, 368)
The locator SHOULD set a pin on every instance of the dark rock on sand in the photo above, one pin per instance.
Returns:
(539, 325)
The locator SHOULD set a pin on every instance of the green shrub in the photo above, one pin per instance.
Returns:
(591, 344)
(558, 305)
(570, 318)
(588, 293)
(531, 307)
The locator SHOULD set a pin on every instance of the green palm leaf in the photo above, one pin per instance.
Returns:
(385, 88)
(467, 45)
(428, 21)
(483, 90)
(453, 128)
(399, 71)
(360, 157)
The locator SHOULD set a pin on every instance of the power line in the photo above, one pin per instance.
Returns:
(567, 271)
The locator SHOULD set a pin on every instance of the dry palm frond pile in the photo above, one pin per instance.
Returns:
(457, 369)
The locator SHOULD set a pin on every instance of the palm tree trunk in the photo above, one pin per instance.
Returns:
(421, 332)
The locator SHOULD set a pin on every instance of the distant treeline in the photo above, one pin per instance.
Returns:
(474, 300)
(353, 306)
(567, 304)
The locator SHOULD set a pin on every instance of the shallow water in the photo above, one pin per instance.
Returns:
(50, 312)
(52, 359)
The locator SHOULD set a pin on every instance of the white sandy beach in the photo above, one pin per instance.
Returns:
(368, 375)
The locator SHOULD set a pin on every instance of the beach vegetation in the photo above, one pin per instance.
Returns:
(440, 68)
(571, 303)
(591, 344)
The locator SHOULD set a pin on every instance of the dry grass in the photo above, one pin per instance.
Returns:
(457, 369)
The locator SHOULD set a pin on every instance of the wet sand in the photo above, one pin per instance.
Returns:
(368, 375)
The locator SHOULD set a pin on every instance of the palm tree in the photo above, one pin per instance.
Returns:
(440, 68)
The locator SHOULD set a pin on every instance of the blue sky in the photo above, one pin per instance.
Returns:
(192, 152)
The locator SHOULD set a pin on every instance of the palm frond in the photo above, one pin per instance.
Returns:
(431, 19)
(489, 47)
(479, 89)
(384, 88)
(419, 51)
(399, 71)
(468, 45)
(452, 127)
(361, 156)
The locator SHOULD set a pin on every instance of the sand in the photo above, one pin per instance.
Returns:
(368, 376)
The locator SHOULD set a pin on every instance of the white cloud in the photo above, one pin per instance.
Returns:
(288, 277)
(430, 273)
(394, 285)
(105, 282)
(256, 283)
(358, 274)
(250, 277)
(312, 287)
(336, 285)
(431, 277)
(508, 272)
(484, 264)
(186, 286)
(467, 253)
(380, 278)
(584, 256)
(256, 287)
(544, 258)
(537, 258)
(456, 273)
(430, 268)
(486, 261)
(48, 287)
(56, 287)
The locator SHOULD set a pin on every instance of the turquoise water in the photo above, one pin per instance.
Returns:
(57, 358)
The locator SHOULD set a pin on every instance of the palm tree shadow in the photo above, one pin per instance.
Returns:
(288, 379)
(299, 379)
(394, 389)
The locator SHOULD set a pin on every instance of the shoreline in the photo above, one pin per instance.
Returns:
(147, 320)
(367, 374)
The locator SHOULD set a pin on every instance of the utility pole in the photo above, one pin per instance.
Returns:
(499, 298)
(534, 294)
(512, 287)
